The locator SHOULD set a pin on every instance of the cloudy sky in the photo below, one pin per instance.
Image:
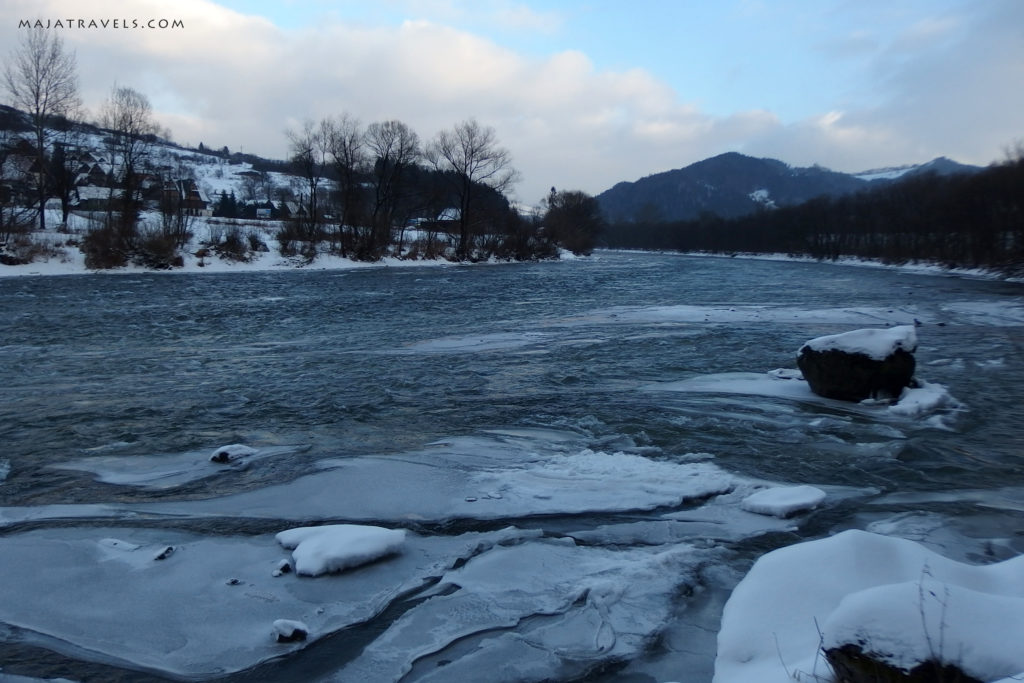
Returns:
(584, 93)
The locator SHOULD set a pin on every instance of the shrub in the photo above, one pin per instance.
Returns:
(103, 248)
(158, 249)
(232, 246)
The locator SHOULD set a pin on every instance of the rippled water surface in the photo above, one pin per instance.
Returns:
(112, 377)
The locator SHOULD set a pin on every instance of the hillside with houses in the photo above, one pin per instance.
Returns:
(115, 198)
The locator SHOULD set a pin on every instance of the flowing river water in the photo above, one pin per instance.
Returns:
(116, 388)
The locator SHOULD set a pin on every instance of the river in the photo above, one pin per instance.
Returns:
(632, 372)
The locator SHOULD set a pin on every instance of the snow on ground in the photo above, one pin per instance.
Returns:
(898, 598)
(69, 259)
(915, 267)
(875, 343)
(332, 548)
(783, 501)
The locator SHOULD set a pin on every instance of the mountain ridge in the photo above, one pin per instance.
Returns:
(733, 184)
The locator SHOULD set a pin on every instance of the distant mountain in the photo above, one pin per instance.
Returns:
(733, 184)
(939, 166)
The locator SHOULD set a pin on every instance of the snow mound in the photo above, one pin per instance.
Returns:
(324, 549)
(877, 344)
(783, 501)
(876, 588)
(924, 399)
(908, 623)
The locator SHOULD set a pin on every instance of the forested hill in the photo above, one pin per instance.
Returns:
(958, 220)
(732, 184)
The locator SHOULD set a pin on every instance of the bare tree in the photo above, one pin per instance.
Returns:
(394, 147)
(347, 151)
(308, 149)
(470, 154)
(128, 117)
(41, 79)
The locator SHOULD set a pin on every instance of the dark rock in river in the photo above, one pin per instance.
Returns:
(861, 364)
(855, 376)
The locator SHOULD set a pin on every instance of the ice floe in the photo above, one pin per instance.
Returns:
(894, 596)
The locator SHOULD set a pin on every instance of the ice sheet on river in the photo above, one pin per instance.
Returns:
(481, 477)
(212, 605)
(547, 606)
(169, 470)
(208, 606)
(924, 400)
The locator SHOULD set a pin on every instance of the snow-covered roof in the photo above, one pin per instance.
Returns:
(87, 192)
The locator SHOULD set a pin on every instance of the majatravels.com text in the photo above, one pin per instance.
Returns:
(101, 23)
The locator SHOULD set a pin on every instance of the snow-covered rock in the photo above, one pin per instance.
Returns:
(231, 452)
(289, 631)
(893, 596)
(335, 547)
(860, 364)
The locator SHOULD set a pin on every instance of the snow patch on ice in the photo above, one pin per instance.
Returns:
(783, 501)
(325, 549)
(924, 399)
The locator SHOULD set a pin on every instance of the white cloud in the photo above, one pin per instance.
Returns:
(238, 80)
